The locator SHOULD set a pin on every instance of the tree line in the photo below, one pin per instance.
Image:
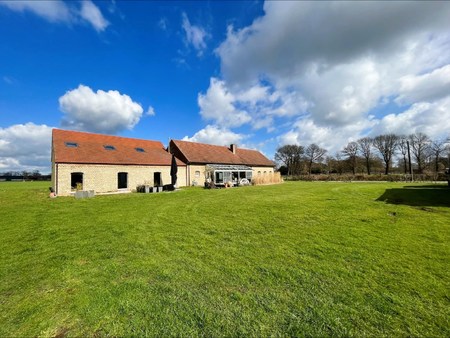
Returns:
(416, 152)
(34, 175)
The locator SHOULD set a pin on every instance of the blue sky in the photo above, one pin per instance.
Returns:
(260, 74)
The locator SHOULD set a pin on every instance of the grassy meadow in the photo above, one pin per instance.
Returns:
(295, 259)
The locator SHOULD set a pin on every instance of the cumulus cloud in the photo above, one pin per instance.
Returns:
(325, 66)
(218, 105)
(195, 35)
(293, 36)
(431, 118)
(425, 87)
(101, 111)
(25, 147)
(215, 135)
(59, 11)
(257, 105)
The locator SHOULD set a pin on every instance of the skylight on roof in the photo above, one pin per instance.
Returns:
(109, 147)
(71, 144)
(140, 150)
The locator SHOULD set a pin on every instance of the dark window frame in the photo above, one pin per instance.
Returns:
(74, 176)
(122, 180)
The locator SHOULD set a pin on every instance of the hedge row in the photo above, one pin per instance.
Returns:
(375, 177)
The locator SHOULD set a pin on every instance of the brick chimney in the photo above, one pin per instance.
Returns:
(233, 148)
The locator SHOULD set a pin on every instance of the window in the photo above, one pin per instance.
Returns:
(226, 176)
(71, 144)
(197, 173)
(157, 182)
(109, 147)
(219, 177)
(76, 181)
(122, 180)
(265, 172)
(140, 150)
(259, 173)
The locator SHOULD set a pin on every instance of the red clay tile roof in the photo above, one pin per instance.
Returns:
(254, 158)
(90, 149)
(201, 153)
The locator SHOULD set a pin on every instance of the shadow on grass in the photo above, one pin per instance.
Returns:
(420, 196)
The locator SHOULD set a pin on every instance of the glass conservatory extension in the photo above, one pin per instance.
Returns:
(220, 174)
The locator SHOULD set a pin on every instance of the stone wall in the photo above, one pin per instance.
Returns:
(197, 174)
(104, 178)
(262, 171)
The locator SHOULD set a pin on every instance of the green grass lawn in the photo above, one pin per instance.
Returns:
(296, 259)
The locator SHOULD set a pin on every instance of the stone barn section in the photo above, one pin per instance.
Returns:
(106, 164)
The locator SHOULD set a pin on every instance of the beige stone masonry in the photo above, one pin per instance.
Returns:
(104, 178)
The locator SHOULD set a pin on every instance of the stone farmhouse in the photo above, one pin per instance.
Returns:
(105, 163)
(220, 164)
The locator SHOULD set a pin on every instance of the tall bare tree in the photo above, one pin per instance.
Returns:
(339, 167)
(403, 147)
(386, 145)
(437, 147)
(351, 151)
(314, 153)
(447, 153)
(291, 156)
(365, 148)
(420, 144)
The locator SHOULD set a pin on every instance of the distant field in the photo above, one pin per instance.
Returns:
(296, 259)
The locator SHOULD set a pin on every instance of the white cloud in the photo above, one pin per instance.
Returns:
(256, 105)
(305, 131)
(53, 11)
(214, 135)
(432, 119)
(425, 87)
(343, 93)
(292, 36)
(59, 11)
(25, 147)
(195, 35)
(150, 111)
(105, 112)
(218, 105)
(92, 14)
(326, 66)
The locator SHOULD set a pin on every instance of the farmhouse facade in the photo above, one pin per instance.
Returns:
(219, 163)
(106, 163)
